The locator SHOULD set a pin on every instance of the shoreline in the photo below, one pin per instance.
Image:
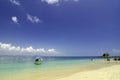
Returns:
(61, 73)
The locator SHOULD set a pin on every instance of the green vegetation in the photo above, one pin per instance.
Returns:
(107, 56)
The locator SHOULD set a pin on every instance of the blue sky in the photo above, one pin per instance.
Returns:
(60, 27)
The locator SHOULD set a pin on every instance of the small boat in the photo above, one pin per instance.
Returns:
(38, 61)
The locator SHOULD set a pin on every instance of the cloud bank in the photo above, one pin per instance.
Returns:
(9, 48)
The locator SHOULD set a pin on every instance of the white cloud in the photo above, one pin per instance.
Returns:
(33, 19)
(50, 1)
(16, 2)
(51, 51)
(17, 49)
(14, 19)
(57, 1)
(116, 50)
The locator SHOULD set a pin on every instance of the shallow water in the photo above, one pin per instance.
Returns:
(23, 68)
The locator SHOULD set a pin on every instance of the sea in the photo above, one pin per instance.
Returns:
(22, 67)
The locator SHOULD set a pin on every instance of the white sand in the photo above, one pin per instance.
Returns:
(108, 73)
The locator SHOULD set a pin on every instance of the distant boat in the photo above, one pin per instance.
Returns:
(38, 61)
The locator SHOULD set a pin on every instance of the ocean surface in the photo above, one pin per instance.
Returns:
(23, 67)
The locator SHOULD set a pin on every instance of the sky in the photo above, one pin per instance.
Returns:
(60, 27)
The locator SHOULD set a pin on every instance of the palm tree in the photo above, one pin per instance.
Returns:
(106, 55)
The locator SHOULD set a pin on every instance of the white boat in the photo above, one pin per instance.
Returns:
(38, 61)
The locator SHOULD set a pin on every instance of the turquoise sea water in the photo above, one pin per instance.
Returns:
(23, 67)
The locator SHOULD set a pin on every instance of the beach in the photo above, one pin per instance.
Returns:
(58, 68)
(59, 39)
(106, 73)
